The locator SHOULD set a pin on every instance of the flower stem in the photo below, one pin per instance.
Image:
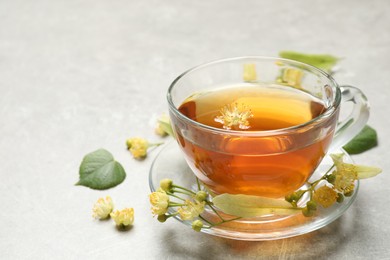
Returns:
(198, 183)
(173, 195)
(182, 188)
(205, 220)
(213, 209)
(174, 204)
(183, 192)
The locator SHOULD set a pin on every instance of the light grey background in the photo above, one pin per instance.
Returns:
(79, 75)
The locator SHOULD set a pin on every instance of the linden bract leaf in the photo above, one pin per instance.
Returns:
(248, 206)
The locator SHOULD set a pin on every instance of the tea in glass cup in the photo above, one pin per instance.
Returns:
(264, 134)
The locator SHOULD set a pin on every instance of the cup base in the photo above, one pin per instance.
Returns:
(170, 163)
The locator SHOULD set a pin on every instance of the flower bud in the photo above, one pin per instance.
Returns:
(197, 225)
(311, 205)
(289, 198)
(307, 212)
(166, 184)
(331, 177)
(340, 197)
(348, 193)
(162, 218)
(201, 196)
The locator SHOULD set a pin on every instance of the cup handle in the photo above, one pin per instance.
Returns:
(356, 120)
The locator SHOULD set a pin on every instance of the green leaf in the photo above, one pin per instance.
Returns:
(248, 206)
(322, 61)
(365, 140)
(100, 171)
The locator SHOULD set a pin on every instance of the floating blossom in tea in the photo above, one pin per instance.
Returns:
(124, 217)
(102, 208)
(232, 117)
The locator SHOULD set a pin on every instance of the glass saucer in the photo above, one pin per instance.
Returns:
(171, 164)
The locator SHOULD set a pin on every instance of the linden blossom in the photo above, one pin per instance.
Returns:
(233, 116)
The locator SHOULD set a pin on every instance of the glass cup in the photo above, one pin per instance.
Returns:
(271, 162)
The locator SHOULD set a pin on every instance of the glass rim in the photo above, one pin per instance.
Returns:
(328, 112)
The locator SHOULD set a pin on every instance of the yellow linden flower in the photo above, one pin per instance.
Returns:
(345, 174)
(362, 171)
(138, 147)
(103, 208)
(191, 210)
(345, 179)
(232, 116)
(325, 196)
(124, 217)
(160, 202)
(249, 72)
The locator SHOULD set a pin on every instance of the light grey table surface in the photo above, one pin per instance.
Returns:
(79, 75)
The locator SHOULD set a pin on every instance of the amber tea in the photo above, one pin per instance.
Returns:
(258, 125)
(254, 164)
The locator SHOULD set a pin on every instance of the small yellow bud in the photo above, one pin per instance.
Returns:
(166, 185)
(124, 217)
(197, 225)
(103, 208)
(162, 218)
(201, 196)
(307, 212)
(312, 205)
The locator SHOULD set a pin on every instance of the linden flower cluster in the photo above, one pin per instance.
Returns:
(104, 207)
(338, 182)
(184, 203)
(336, 185)
(233, 116)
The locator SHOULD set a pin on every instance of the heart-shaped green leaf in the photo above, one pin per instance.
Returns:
(248, 206)
(364, 141)
(100, 171)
